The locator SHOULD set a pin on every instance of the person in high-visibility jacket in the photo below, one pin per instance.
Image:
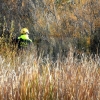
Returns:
(24, 42)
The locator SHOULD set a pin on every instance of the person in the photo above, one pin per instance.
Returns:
(23, 41)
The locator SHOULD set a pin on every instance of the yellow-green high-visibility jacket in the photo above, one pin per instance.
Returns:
(24, 41)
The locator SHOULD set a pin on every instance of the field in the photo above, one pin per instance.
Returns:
(62, 29)
(24, 77)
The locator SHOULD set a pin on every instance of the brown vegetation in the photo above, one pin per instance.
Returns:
(59, 20)
(56, 68)
(24, 77)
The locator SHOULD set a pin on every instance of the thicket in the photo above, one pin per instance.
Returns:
(24, 77)
(56, 25)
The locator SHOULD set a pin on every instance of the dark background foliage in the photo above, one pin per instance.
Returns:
(55, 25)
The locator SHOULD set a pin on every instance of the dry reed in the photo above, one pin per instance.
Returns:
(26, 78)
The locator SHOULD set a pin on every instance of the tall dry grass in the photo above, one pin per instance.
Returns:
(24, 77)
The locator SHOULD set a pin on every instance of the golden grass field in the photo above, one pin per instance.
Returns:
(24, 77)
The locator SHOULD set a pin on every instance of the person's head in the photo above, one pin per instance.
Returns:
(24, 31)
